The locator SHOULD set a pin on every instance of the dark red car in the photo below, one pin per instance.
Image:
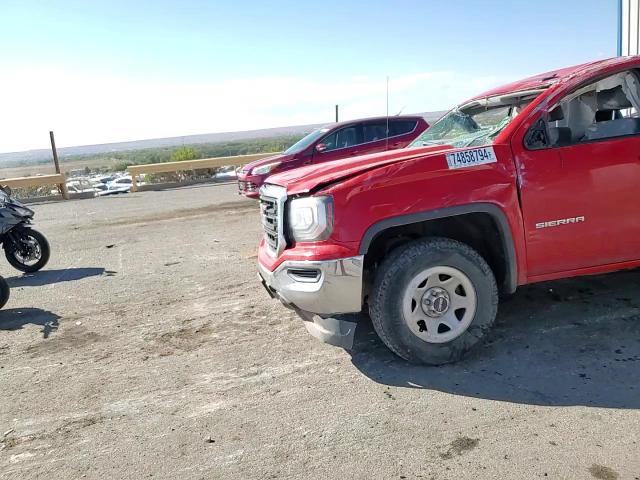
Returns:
(333, 142)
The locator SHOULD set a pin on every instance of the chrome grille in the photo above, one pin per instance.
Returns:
(272, 200)
(247, 186)
(269, 207)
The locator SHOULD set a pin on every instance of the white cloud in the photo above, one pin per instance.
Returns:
(90, 108)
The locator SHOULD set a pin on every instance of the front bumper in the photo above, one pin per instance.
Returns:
(317, 291)
(249, 185)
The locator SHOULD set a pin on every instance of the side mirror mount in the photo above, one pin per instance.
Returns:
(538, 137)
(321, 147)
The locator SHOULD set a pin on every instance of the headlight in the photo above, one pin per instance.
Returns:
(261, 170)
(311, 218)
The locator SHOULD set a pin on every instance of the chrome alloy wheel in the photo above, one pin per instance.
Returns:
(30, 252)
(439, 304)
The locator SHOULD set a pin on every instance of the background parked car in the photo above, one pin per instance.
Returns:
(78, 185)
(226, 173)
(333, 142)
(121, 184)
(101, 188)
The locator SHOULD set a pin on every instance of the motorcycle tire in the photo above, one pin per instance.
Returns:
(45, 251)
(5, 292)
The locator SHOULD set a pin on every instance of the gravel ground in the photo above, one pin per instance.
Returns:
(147, 348)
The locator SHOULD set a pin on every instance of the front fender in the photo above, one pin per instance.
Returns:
(426, 188)
(9, 225)
(511, 280)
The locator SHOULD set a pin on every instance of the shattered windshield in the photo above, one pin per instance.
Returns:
(475, 124)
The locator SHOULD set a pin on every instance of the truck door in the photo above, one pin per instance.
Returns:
(579, 174)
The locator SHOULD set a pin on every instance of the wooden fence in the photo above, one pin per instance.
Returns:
(135, 170)
(38, 181)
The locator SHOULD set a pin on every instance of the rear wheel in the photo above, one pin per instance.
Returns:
(31, 252)
(5, 292)
(433, 300)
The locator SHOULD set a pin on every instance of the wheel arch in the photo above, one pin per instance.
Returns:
(495, 213)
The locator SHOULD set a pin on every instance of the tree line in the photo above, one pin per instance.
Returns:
(116, 161)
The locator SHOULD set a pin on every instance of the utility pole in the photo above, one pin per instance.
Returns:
(62, 186)
(619, 47)
(628, 27)
(336, 113)
(386, 143)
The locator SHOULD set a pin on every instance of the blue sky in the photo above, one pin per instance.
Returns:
(107, 71)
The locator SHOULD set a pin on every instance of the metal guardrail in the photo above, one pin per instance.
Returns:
(37, 181)
(238, 161)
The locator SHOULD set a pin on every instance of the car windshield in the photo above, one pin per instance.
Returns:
(477, 123)
(306, 141)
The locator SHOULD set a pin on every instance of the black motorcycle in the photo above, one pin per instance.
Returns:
(25, 248)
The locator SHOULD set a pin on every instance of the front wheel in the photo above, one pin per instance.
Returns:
(30, 252)
(433, 300)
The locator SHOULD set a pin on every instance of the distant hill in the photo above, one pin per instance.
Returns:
(43, 154)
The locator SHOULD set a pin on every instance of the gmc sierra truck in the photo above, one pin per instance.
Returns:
(532, 181)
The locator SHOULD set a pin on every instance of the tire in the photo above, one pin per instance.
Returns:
(45, 251)
(399, 293)
(5, 292)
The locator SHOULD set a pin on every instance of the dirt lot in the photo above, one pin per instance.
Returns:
(148, 349)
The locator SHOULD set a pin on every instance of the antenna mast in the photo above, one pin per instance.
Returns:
(387, 132)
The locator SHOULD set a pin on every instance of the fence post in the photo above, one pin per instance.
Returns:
(62, 186)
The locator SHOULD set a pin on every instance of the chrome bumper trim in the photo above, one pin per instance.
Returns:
(338, 288)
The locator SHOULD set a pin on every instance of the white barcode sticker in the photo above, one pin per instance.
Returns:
(471, 158)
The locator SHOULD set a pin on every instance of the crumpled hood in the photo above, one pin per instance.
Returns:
(305, 179)
(281, 157)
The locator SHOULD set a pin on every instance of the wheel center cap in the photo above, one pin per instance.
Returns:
(435, 302)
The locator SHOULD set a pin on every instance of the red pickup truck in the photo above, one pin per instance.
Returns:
(532, 181)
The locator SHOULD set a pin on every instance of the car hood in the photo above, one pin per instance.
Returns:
(305, 179)
(279, 157)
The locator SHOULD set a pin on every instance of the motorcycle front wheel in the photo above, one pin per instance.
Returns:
(31, 253)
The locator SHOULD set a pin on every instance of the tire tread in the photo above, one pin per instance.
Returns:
(400, 259)
(46, 253)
